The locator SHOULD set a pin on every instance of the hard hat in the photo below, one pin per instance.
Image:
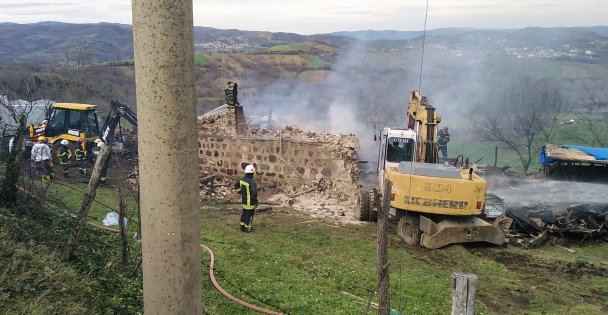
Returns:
(65, 142)
(41, 138)
(249, 169)
(101, 145)
(97, 140)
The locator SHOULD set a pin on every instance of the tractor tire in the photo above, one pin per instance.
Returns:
(365, 206)
(409, 229)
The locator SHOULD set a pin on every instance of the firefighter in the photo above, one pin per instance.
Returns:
(443, 137)
(41, 158)
(96, 152)
(81, 158)
(246, 187)
(65, 157)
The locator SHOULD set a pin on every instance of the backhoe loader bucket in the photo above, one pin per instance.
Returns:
(458, 230)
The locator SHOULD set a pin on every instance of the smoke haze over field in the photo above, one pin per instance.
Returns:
(549, 192)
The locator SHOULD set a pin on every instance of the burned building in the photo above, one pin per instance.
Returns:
(288, 160)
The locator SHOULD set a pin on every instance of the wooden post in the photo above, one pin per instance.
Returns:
(464, 289)
(87, 200)
(124, 246)
(384, 306)
(495, 155)
(2, 143)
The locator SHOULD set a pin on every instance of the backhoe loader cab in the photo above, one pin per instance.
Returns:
(68, 121)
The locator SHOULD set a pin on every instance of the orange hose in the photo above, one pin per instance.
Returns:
(228, 295)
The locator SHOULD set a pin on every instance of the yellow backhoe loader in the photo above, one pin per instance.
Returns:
(68, 121)
(436, 204)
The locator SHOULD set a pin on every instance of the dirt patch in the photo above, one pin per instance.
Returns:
(526, 264)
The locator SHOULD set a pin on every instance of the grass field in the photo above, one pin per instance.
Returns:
(316, 61)
(291, 263)
(290, 48)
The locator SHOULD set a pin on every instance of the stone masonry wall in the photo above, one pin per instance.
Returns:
(284, 162)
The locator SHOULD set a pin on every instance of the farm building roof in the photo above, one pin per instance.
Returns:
(551, 153)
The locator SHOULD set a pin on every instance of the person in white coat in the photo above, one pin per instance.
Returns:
(41, 157)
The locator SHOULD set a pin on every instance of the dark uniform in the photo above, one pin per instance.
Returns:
(64, 159)
(443, 137)
(81, 160)
(249, 200)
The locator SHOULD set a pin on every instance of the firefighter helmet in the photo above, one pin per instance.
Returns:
(41, 138)
(249, 169)
(65, 142)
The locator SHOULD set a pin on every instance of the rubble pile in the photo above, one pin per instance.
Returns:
(314, 171)
(321, 198)
(537, 211)
(530, 226)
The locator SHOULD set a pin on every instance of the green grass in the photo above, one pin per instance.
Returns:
(200, 60)
(290, 48)
(34, 280)
(316, 62)
(290, 262)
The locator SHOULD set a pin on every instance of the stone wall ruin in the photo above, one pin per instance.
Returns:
(288, 161)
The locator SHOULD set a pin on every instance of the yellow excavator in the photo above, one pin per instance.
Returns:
(436, 203)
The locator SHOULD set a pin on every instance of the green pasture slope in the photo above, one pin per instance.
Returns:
(290, 48)
(291, 262)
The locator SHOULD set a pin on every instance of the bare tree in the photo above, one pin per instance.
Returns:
(519, 116)
(78, 56)
(593, 115)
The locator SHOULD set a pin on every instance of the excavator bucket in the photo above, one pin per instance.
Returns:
(458, 230)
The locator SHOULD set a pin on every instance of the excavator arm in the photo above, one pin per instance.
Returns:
(117, 111)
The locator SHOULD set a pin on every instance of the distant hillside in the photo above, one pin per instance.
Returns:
(49, 42)
(54, 42)
(602, 30)
(372, 35)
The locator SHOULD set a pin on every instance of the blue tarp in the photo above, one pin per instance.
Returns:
(598, 153)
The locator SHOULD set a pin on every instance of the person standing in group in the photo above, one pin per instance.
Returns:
(247, 188)
(65, 157)
(41, 157)
(81, 158)
(96, 152)
(443, 137)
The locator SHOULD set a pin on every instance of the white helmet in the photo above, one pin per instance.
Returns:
(101, 144)
(65, 142)
(97, 140)
(249, 169)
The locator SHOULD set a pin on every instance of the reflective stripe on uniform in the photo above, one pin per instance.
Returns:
(248, 191)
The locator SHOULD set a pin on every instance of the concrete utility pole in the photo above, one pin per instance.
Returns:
(168, 158)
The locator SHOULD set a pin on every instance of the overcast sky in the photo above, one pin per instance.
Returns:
(323, 16)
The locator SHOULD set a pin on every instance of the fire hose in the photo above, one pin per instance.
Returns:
(228, 295)
(212, 277)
